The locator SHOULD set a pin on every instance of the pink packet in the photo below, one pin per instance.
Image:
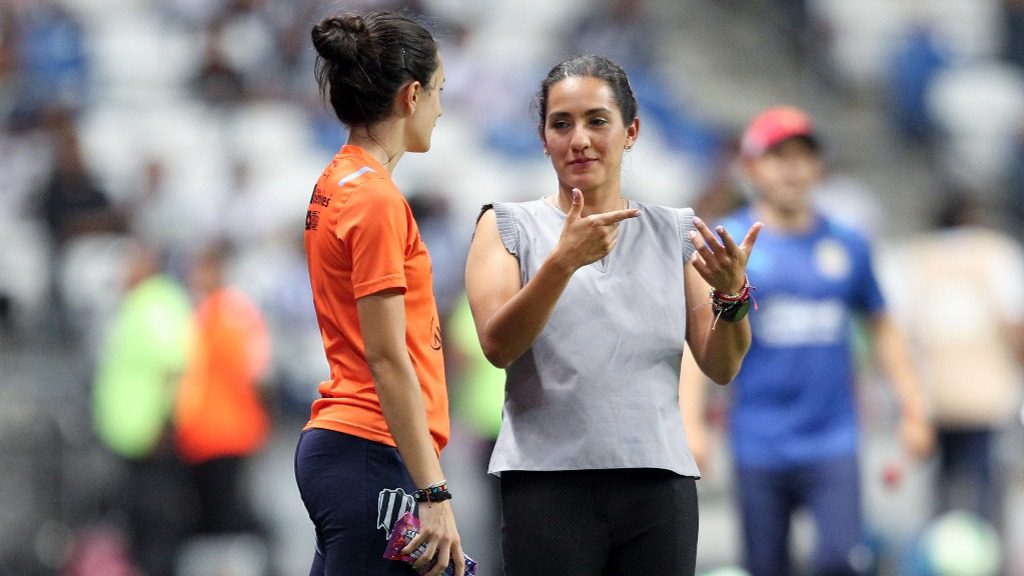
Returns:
(405, 529)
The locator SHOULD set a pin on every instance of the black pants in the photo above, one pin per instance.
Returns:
(354, 490)
(598, 523)
(157, 518)
(222, 497)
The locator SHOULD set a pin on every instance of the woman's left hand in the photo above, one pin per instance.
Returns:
(722, 264)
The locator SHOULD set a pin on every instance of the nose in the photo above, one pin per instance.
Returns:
(580, 139)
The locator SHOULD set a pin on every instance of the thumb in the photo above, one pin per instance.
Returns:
(577, 203)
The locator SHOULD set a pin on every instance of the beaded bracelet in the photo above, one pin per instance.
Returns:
(732, 307)
(437, 492)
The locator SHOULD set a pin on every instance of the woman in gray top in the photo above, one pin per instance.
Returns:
(586, 297)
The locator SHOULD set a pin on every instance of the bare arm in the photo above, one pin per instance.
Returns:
(382, 323)
(717, 352)
(510, 316)
(894, 358)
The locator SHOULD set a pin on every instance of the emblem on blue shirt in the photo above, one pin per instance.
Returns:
(832, 259)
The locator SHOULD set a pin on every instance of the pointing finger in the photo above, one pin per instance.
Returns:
(616, 216)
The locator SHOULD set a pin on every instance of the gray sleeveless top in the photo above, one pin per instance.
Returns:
(599, 388)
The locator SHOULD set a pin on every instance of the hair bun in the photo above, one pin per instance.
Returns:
(336, 38)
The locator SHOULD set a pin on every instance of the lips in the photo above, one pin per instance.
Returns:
(582, 162)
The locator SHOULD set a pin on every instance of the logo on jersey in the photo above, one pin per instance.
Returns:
(392, 505)
(832, 259)
(792, 321)
(312, 219)
(435, 330)
(319, 199)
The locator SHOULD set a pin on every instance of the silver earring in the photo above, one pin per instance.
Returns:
(547, 154)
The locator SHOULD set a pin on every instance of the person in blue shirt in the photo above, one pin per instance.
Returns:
(793, 422)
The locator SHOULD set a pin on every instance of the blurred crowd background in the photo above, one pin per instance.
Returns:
(156, 158)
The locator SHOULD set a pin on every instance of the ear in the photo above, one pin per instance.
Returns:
(632, 132)
(408, 96)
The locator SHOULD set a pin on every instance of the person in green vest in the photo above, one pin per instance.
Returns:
(141, 361)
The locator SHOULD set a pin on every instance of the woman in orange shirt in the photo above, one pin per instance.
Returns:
(370, 451)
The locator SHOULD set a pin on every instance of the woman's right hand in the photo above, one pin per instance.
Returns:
(587, 239)
(438, 531)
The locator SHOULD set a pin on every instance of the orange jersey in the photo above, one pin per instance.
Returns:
(219, 412)
(361, 239)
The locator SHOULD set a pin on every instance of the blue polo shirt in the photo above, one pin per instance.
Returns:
(793, 400)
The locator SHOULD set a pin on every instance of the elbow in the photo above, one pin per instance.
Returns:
(723, 378)
(382, 367)
(724, 375)
(499, 360)
(497, 356)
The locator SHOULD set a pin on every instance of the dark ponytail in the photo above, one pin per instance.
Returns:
(362, 61)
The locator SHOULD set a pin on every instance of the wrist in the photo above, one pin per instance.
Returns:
(736, 291)
(561, 264)
(436, 492)
(732, 307)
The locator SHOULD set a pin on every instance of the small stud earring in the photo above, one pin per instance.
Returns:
(547, 154)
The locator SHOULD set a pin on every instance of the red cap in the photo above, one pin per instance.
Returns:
(774, 125)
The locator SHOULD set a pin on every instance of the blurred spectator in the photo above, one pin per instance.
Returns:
(220, 420)
(919, 56)
(218, 82)
(74, 209)
(71, 201)
(52, 57)
(793, 422)
(133, 399)
(959, 292)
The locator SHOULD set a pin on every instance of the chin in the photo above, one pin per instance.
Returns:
(582, 183)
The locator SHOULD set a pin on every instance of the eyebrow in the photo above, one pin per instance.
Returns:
(591, 112)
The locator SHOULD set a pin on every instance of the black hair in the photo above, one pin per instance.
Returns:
(589, 66)
(363, 60)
